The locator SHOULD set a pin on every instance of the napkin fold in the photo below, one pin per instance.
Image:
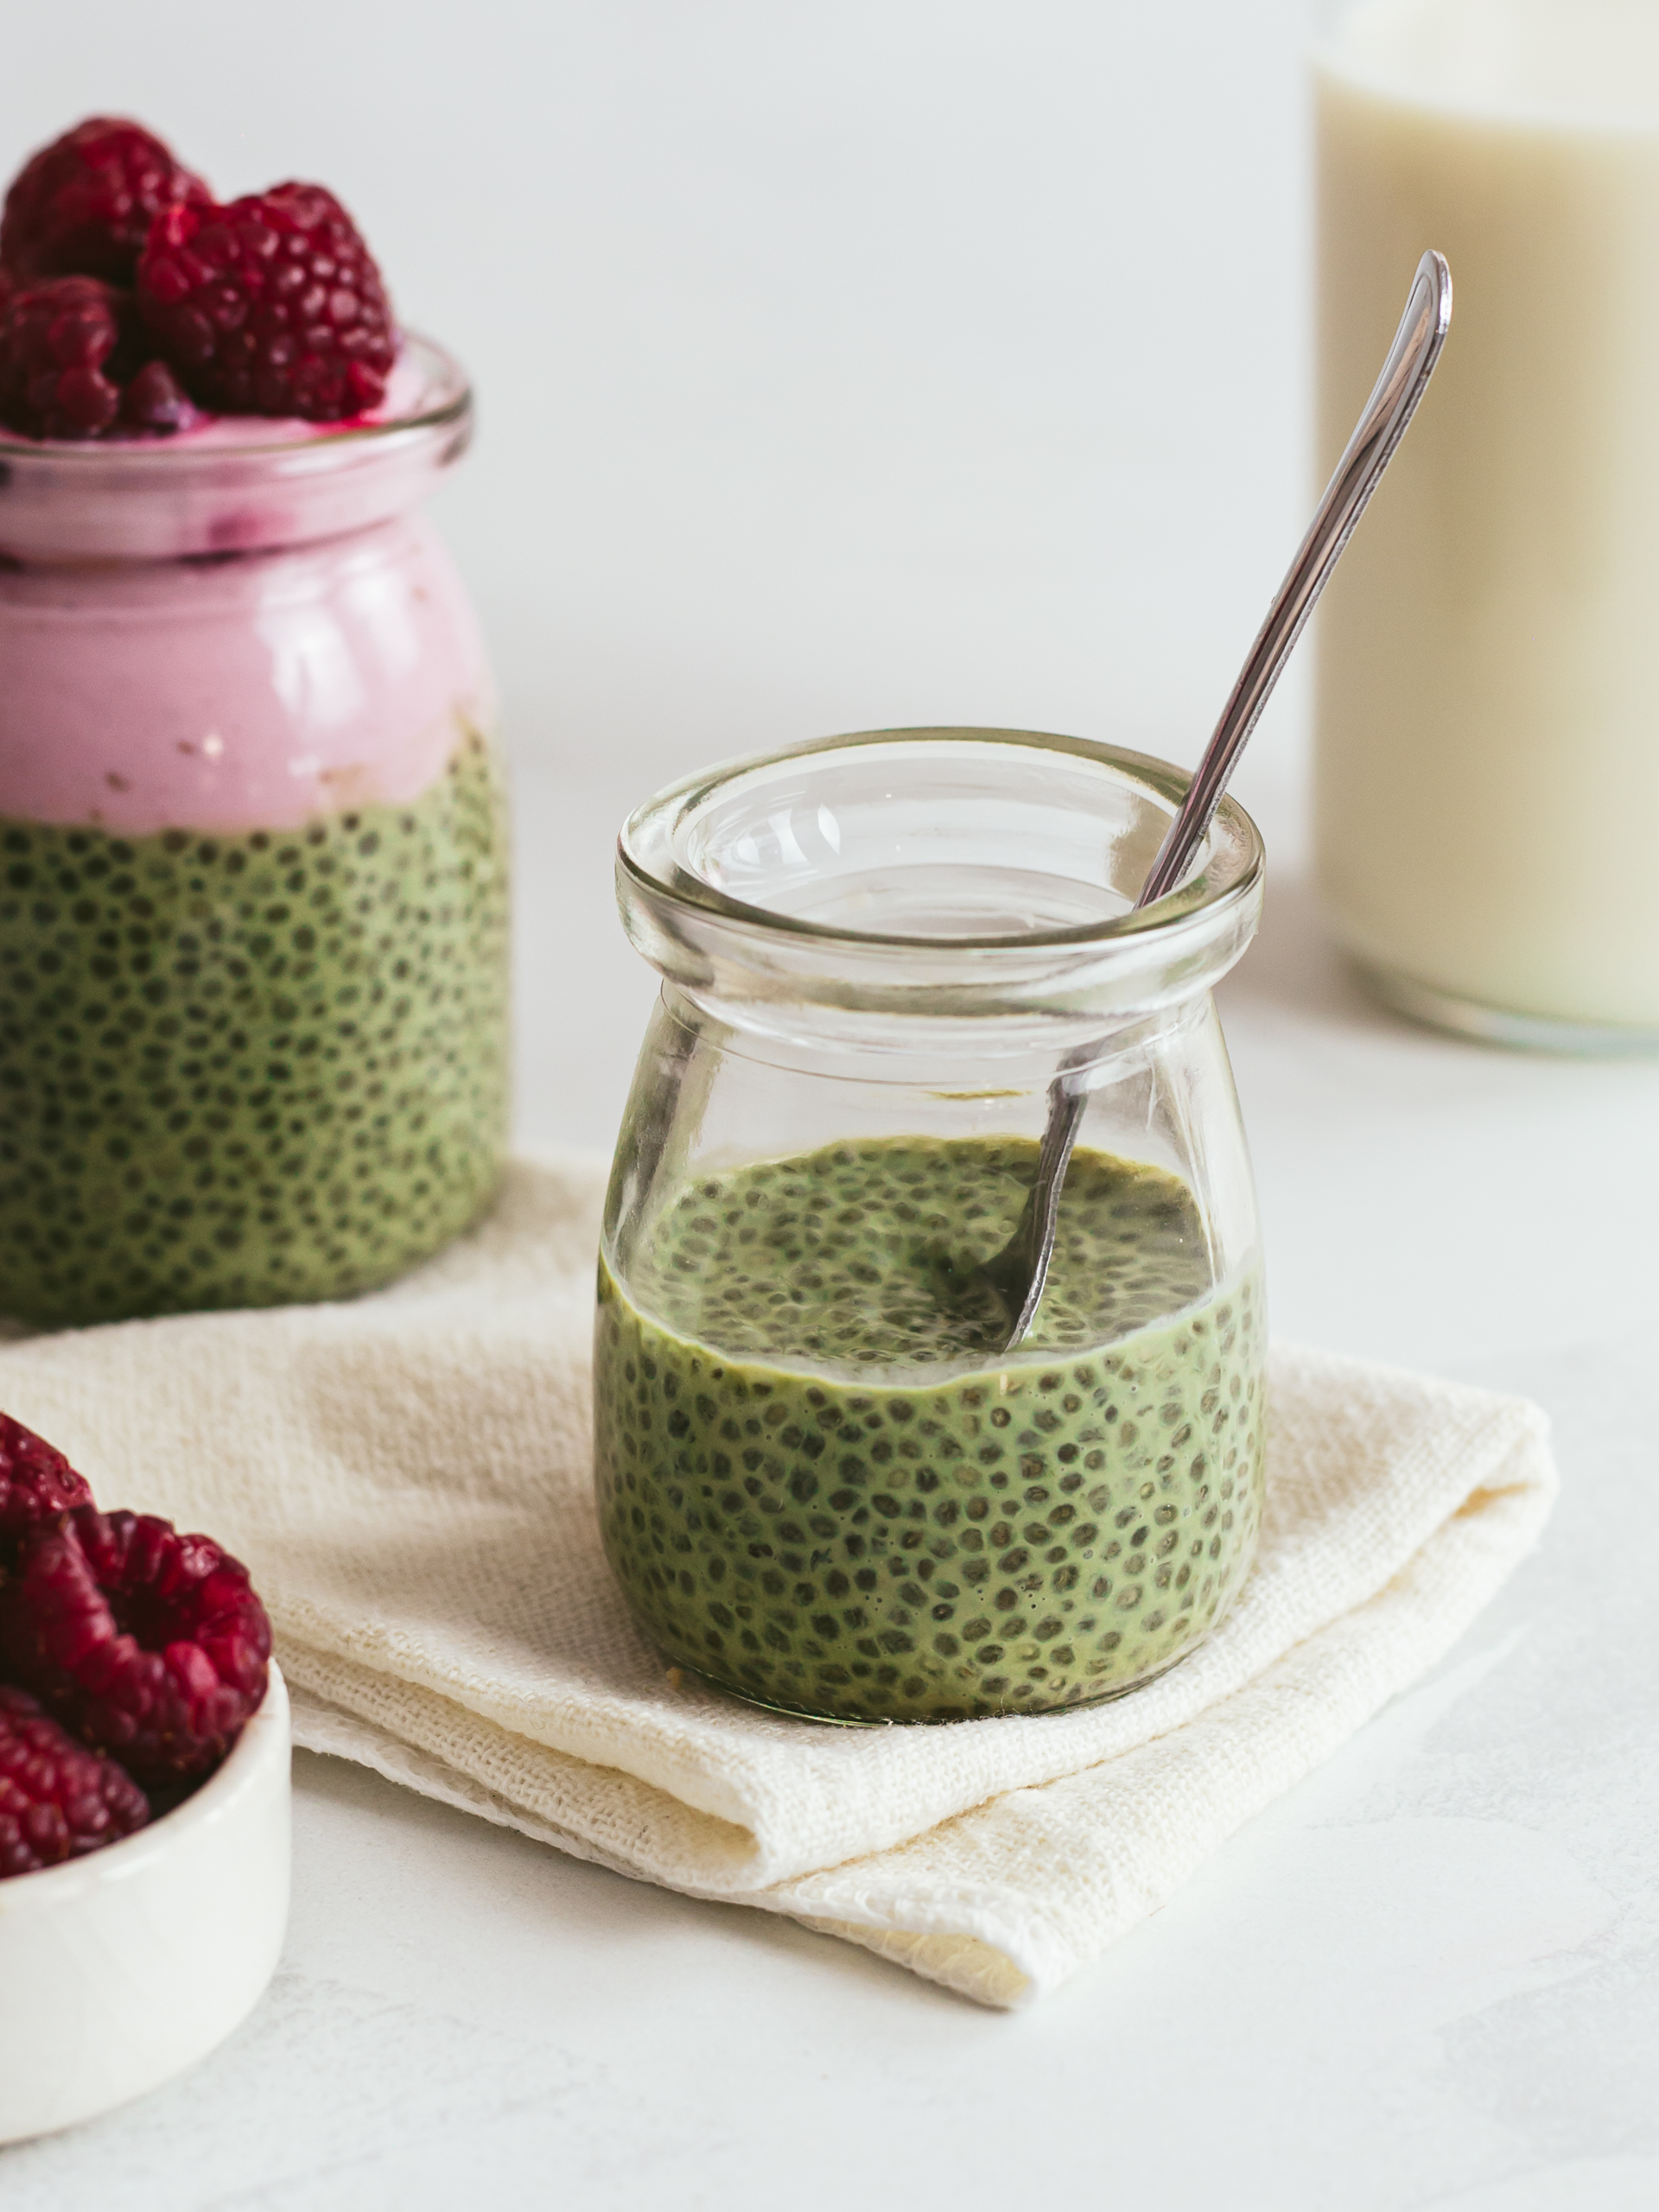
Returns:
(407, 1476)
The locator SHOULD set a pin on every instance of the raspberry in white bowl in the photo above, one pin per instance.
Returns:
(144, 1820)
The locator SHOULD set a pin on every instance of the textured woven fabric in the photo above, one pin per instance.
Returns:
(407, 1477)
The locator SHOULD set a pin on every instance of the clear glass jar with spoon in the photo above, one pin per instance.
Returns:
(823, 1483)
(908, 1404)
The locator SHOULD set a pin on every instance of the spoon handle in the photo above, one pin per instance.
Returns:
(1406, 373)
(1019, 1271)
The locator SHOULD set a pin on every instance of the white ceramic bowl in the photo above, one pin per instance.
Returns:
(121, 1969)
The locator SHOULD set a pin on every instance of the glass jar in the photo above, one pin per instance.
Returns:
(1487, 710)
(253, 920)
(822, 1483)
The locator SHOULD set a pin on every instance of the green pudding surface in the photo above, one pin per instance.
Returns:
(821, 1485)
(244, 1069)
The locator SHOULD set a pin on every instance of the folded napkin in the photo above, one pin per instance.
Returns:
(407, 1477)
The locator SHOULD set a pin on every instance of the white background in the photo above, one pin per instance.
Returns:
(911, 360)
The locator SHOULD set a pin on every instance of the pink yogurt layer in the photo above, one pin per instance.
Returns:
(253, 693)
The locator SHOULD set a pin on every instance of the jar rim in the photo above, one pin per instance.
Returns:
(1088, 951)
(214, 493)
(446, 398)
(1228, 868)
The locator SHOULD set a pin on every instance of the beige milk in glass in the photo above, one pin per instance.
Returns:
(1488, 705)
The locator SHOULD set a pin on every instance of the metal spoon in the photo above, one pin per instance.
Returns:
(1019, 1271)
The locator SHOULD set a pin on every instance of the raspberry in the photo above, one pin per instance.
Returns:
(38, 1485)
(269, 305)
(58, 1799)
(83, 205)
(155, 400)
(67, 347)
(146, 1643)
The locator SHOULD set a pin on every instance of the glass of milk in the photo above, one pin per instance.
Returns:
(1487, 688)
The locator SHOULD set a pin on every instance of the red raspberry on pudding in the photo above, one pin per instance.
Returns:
(83, 205)
(67, 346)
(58, 1799)
(145, 1644)
(38, 1486)
(271, 305)
(155, 400)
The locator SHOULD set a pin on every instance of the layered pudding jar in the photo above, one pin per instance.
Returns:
(824, 1482)
(253, 864)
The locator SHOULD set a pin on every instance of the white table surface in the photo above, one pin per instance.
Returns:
(809, 405)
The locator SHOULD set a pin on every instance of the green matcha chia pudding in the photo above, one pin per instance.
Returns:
(242, 1069)
(821, 1487)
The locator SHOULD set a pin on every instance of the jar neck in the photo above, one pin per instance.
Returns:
(964, 1057)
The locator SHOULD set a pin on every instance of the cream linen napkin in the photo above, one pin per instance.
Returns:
(407, 1477)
